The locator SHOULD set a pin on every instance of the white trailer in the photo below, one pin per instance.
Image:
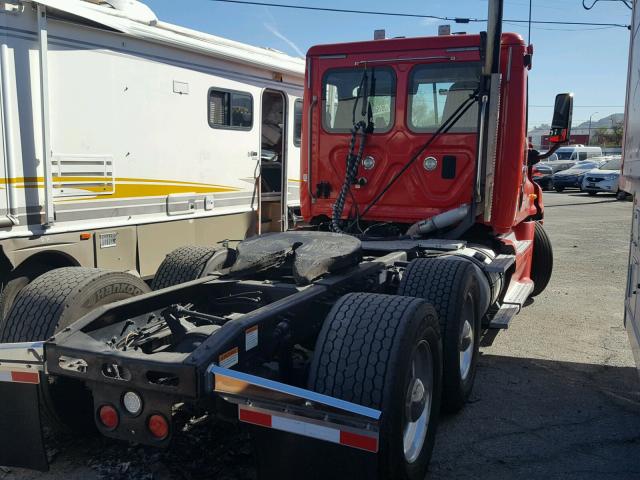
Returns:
(630, 183)
(125, 137)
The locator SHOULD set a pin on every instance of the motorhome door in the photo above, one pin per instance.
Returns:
(273, 161)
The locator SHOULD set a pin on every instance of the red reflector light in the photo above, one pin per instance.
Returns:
(362, 442)
(158, 426)
(108, 417)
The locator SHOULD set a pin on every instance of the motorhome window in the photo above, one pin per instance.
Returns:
(342, 95)
(229, 109)
(437, 90)
(297, 122)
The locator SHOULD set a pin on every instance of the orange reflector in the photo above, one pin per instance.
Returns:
(108, 417)
(158, 426)
(533, 197)
(85, 236)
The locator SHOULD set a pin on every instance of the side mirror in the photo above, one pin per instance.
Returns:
(561, 124)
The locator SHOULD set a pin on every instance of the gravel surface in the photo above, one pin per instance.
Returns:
(556, 395)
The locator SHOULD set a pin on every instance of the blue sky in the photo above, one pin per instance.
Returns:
(589, 61)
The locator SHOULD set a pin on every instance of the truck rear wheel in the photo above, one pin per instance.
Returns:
(189, 263)
(449, 284)
(51, 302)
(542, 262)
(384, 352)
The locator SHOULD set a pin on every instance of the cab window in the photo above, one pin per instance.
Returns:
(343, 96)
(297, 122)
(435, 93)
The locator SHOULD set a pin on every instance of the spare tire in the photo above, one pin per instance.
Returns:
(189, 263)
(51, 302)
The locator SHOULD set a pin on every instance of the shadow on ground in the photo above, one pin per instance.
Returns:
(531, 418)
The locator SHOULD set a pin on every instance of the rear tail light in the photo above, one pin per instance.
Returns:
(109, 417)
(158, 426)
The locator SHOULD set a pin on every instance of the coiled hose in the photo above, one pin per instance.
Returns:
(351, 172)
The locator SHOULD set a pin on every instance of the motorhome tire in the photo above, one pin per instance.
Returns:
(189, 263)
(51, 302)
(542, 262)
(15, 282)
(449, 284)
(379, 350)
(558, 189)
(592, 194)
(621, 195)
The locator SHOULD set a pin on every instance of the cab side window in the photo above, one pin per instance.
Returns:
(582, 155)
(297, 122)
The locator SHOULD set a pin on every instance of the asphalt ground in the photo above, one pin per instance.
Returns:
(556, 395)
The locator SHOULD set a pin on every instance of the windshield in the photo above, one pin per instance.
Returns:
(612, 165)
(585, 166)
(342, 96)
(566, 155)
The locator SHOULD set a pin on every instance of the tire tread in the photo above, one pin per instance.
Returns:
(183, 264)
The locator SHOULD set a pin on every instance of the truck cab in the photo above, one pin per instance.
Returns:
(414, 86)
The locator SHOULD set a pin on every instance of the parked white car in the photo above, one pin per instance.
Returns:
(604, 178)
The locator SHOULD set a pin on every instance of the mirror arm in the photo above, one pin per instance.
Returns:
(534, 156)
(550, 152)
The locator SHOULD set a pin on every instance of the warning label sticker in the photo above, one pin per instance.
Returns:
(251, 338)
(228, 359)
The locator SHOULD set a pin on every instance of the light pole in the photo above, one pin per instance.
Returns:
(589, 137)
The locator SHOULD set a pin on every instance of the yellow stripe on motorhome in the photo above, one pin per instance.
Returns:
(130, 190)
(145, 187)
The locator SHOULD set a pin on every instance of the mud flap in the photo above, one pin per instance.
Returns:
(285, 456)
(21, 438)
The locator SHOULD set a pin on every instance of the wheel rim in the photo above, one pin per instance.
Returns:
(467, 340)
(418, 402)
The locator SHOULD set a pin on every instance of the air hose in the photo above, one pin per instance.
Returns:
(353, 160)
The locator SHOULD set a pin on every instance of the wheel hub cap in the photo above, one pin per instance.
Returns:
(466, 342)
(418, 399)
(418, 402)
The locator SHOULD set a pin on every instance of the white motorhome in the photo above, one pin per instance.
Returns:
(125, 137)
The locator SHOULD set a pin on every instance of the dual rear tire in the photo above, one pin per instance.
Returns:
(406, 355)
(451, 286)
(385, 352)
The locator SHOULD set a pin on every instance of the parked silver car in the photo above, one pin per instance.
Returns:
(573, 177)
(604, 178)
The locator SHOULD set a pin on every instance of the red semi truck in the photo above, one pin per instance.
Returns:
(337, 342)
